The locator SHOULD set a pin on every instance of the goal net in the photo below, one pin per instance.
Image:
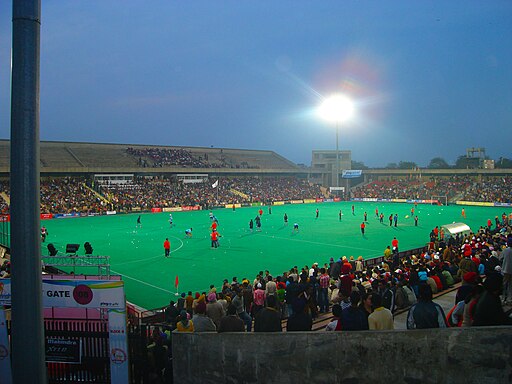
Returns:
(439, 200)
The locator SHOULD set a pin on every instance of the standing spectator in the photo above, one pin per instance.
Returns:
(506, 269)
(214, 309)
(268, 319)
(259, 299)
(238, 302)
(231, 322)
(425, 313)
(353, 318)
(323, 300)
(488, 310)
(300, 320)
(189, 302)
(381, 318)
(171, 313)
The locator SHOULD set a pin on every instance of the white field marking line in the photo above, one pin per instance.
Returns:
(137, 280)
(142, 282)
(154, 257)
(316, 242)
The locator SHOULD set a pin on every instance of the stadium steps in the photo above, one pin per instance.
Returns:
(100, 196)
(6, 197)
(75, 156)
(241, 194)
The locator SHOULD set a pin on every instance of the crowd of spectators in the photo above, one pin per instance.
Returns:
(147, 193)
(494, 189)
(81, 195)
(362, 297)
(69, 195)
(413, 189)
(166, 157)
(76, 194)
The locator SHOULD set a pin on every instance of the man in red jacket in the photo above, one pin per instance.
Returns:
(167, 247)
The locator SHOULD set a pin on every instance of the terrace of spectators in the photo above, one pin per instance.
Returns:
(72, 157)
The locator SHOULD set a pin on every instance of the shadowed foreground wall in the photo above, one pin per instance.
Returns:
(470, 355)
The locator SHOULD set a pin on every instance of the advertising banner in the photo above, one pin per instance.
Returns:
(46, 216)
(5, 218)
(111, 212)
(118, 346)
(337, 199)
(475, 203)
(257, 204)
(5, 355)
(63, 350)
(278, 202)
(156, 210)
(172, 209)
(5, 292)
(83, 294)
(328, 200)
(309, 201)
(319, 200)
(351, 173)
(296, 201)
(502, 204)
(231, 206)
(65, 215)
(191, 208)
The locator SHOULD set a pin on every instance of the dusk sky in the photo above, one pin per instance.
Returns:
(428, 78)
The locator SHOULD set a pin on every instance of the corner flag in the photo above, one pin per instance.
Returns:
(176, 282)
(214, 185)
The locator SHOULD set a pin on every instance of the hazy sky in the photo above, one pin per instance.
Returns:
(429, 78)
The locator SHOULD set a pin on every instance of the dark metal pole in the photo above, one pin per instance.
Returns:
(28, 353)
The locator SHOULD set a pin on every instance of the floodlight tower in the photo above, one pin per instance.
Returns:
(338, 109)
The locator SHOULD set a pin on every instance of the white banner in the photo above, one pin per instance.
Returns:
(118, 346)
(75, 294)
(351, 173)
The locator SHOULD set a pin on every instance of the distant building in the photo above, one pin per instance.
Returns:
(323, 167)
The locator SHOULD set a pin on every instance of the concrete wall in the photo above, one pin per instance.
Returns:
(470, 355)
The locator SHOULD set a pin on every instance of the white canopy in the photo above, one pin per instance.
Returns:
(455, 228)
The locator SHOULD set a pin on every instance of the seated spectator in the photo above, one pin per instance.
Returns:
(202, 323)
(381, 318)
(335, 324)
(184, 324)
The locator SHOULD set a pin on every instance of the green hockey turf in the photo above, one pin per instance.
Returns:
(137, 253)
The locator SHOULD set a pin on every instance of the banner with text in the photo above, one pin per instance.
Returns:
(351, 173)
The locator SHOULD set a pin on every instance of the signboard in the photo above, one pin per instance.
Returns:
(63, 350)
(81, 294)
(351, 173)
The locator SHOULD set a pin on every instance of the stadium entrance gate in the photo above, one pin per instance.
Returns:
(78, 350)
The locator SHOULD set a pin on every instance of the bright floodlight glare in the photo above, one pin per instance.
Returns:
(337, 108)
